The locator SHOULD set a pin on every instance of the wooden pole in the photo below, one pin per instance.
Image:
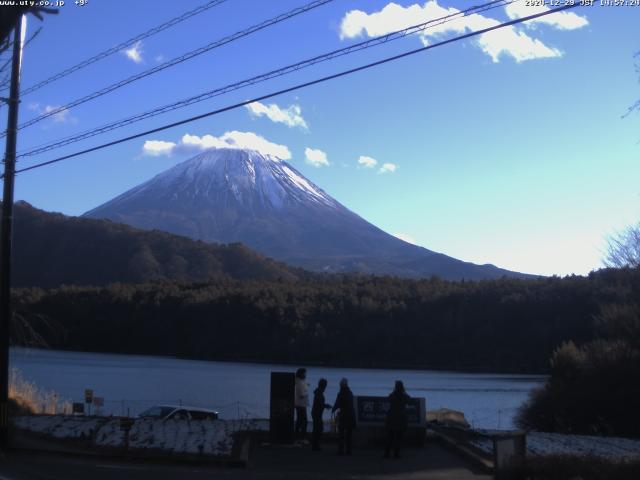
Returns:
(6, 233)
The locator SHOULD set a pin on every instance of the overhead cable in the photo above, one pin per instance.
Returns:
(175, 61)
(121, 46)
(264, 77)
(300, 86)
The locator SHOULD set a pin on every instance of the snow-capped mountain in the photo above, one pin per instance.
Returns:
(234, 195)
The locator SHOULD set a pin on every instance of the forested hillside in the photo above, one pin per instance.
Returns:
(52, 249)
(498, 325)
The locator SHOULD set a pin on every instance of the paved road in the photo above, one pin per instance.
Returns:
(432, 462)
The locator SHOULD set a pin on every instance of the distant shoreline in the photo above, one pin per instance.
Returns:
(305, 363)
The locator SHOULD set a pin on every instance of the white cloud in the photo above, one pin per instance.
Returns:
(504, 41)
(205, 142)
(63, 116)
(316, 157)
(388, 168)
(160, 58)
(232, 139)
(560, 20)
(406, 237)
(394, 17)
(290, 116)
(236, 139)
(367, 162)
(135, 52)
(156, 148)
(517, 44)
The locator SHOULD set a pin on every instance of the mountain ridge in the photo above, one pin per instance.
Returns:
(236, 195)
(52, 249)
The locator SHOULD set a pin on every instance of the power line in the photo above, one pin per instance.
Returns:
(110, 51)
(178, 60)
(301, 85)
(266, 76)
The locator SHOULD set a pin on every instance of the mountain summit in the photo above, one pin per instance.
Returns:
(234, 195)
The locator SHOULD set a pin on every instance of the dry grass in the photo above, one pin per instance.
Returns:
(29, 398)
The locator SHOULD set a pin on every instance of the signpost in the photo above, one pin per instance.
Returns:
(371, 418)
(125, 425)
(373, 411)
(99, 403)
(78, 407)
(88, 398)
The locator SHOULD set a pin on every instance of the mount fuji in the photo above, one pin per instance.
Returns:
(235, 195)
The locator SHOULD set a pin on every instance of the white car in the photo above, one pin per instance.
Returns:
(179, 412)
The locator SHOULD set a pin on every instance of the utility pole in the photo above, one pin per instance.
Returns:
(6, 232)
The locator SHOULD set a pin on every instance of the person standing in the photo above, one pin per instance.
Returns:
(346, 417)
(397, 420)
(317, 410)
(301, 403)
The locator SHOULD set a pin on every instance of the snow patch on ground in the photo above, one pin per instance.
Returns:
(540, 443)
(201, 437)
(59, 426)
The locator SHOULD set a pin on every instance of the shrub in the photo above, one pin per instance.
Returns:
(592, 390)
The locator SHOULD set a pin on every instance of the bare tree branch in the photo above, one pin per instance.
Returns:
(624, 248)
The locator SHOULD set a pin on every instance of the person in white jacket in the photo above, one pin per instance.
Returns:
(301, 402)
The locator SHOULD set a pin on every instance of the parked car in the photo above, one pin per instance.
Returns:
(165, 412)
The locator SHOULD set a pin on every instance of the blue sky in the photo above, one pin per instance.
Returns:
(509, 150)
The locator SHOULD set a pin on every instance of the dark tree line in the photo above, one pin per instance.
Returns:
(499, 325)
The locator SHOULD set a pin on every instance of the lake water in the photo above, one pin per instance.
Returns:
(132, 383)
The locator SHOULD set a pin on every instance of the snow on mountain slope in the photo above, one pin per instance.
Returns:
(252, 179)
(234, 195)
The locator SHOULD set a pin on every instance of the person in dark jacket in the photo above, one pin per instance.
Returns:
(346, 417)
(317, 410)
(397, 421)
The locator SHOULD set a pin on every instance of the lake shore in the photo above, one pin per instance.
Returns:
(132, 383)
(368, 365)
